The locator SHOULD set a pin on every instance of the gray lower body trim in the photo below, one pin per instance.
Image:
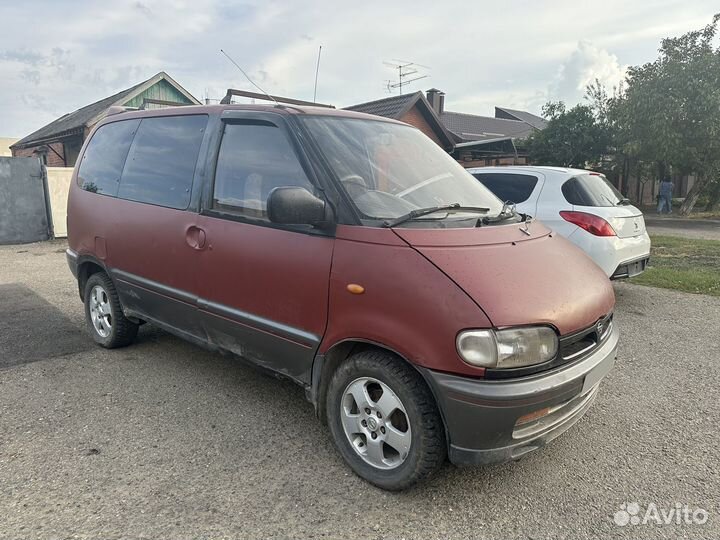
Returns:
(284, 331)
(72, 260)
(482, 415)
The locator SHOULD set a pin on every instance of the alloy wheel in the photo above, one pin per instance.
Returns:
(375, 423)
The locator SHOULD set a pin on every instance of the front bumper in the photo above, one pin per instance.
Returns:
(481, 416)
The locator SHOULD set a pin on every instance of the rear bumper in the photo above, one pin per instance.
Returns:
(610, 252)
(482, 416)
(72, 260)
(631, 268)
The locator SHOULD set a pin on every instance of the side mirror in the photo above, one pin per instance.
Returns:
(295, 206)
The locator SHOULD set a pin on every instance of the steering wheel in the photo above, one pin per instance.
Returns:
(355, 184)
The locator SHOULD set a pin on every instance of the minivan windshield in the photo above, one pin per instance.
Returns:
(390, 170)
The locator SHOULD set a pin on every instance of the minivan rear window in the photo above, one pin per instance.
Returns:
(590, 190)
(515, 188)
(161, 163)
(103, 160)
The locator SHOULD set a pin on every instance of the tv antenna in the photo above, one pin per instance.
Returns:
(405, 69)
(248, 78)
(317, 70)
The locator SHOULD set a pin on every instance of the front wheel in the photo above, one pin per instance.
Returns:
(384, 420)
(105, 319)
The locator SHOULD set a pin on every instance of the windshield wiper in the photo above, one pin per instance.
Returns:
(623, 201)
(508, 211)
(413, 214)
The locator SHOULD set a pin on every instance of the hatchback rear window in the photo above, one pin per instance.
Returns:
(515, 188)
(591, 190)
(161, 163)
(104, 157)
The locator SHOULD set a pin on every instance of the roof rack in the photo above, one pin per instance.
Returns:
(278, 99)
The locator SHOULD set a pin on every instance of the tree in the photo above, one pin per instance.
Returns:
(670, 110)
(572, 138)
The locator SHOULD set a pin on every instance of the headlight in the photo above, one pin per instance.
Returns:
(509, 348)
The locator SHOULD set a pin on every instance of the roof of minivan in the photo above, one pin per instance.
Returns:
(213, 109)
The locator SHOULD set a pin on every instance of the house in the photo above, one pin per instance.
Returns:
(58, 143)
(413, 109)
(476, 140)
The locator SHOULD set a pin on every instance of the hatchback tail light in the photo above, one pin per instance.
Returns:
(591, 223)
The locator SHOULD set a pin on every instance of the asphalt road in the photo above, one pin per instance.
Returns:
(708, 229)
(164, 440)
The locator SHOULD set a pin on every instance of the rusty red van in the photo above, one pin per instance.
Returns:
(424, 318)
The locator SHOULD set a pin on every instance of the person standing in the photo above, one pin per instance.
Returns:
(665, 196)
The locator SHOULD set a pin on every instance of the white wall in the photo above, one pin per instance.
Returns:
(5, 143)
(58, 179)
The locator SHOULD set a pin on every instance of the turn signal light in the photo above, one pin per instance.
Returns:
(593, 224)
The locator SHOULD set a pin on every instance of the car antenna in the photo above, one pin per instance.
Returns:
(248, 77)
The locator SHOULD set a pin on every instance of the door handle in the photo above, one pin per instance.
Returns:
(195, 237)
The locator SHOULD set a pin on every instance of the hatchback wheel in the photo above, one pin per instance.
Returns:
(384, 420)
(103, 313)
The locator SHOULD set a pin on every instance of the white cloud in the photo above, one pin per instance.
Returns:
(509, 57)
(586, 64)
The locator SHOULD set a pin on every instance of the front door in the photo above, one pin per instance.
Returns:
(264, 287)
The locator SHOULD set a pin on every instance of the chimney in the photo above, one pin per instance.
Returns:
(436, 98)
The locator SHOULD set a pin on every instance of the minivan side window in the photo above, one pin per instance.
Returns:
(254, 158)
(104, 158)
(161, 163)
(515, 188)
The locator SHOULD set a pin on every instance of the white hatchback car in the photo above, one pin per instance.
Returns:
(583, 206)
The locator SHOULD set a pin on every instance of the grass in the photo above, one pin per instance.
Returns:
(683, 264)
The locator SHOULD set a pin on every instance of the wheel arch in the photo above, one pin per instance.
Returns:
(87, 266)
(325, 365)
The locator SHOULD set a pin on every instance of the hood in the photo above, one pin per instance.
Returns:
(517, 277)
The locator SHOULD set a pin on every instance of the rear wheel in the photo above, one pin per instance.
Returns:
(105, 319)
(384, 420)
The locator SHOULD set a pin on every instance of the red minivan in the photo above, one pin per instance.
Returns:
(424, 318)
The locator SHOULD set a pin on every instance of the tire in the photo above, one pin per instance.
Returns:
(104, 315)
(411, 440)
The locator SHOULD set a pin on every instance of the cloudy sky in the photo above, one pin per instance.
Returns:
(56, 56)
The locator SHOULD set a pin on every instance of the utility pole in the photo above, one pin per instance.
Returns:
(405, 69)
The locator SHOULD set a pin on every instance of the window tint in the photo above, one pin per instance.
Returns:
(104, 157)
(591, 190)
(515, 188)
(254, 159)
(160, 166)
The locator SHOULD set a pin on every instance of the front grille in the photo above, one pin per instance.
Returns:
(583, 343)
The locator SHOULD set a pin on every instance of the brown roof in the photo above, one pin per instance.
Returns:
(472, 127)
(396, 107)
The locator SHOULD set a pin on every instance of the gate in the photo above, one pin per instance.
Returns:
(24, 203)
